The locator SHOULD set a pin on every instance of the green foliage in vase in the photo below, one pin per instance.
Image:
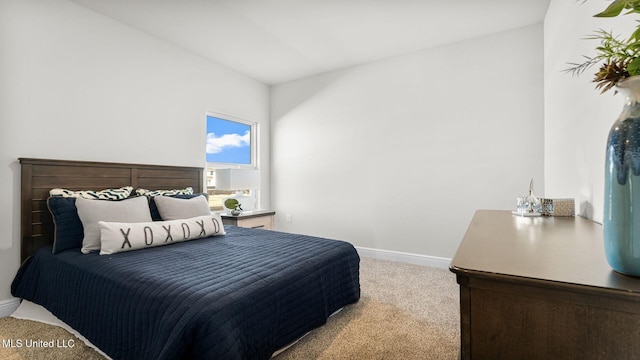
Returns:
(232, 204)
(618, 59)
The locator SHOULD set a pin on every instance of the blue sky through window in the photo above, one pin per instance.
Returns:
(228, 141)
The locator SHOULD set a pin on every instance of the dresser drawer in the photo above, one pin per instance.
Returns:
(260, 222)
(257, 220)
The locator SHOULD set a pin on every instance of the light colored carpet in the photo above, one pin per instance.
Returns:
(19, 340)
(406, 312)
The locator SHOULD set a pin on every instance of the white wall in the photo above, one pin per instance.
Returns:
(398, 154)
(76, 85)
(577, 117)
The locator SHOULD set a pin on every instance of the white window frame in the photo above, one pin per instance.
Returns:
(254, 143)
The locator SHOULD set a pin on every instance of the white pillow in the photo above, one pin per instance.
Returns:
(171, 208)
(91, 211)
(118, 237)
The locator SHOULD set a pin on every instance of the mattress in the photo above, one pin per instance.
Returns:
(238, 296)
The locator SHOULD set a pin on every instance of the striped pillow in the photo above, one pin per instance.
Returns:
(107, 194)
(145, 192)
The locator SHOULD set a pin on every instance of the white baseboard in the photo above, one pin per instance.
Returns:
(417, 259)
(7, 307)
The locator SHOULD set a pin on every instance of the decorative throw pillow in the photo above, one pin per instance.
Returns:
(155, 215)
(118, 237)
(107, 194)
(145, 192)
(91, 211)
(68, 231)
(171, 208)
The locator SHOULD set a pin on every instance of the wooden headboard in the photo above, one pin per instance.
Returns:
(41, 175)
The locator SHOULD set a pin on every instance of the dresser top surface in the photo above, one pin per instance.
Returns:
(248, 214)
(568, 250)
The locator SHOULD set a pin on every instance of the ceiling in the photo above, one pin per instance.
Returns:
(276, 41)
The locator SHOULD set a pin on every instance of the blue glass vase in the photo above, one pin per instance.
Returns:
(621, 220)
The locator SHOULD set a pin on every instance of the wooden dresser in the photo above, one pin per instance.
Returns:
(541, 288)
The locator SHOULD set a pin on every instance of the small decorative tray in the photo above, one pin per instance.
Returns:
(526, 214)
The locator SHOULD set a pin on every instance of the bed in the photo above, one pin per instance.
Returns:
(241, 295)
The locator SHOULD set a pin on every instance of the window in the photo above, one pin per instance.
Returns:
(231, 143)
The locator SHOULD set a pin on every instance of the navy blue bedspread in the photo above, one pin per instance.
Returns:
(238, 296)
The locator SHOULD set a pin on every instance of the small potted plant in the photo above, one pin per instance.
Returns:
(234, 205)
